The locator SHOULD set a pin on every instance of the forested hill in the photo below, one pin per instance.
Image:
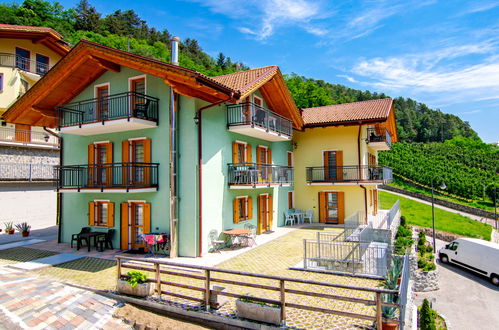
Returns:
(125, 30)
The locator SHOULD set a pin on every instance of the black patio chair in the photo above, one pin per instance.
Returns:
(140, 110)
(106, 240)
(259, 117)
(77, 238)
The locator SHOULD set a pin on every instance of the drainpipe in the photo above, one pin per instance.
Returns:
(360, 172)
(173, 161)
(365, 203)
(198, 119)
(59, 194)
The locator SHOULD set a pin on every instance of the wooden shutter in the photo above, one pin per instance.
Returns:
(235, 159)
(270, 208)
(375, 195)
(339, 165)
(249, 154)
(260, 215)
(322, 206)
(147, 218)
(109, 160)
(341, 207)
(91, 161)
(326, 165)
(249, 202)
(124, 226)
(269, 161)
(91, 153)
(147, 159)
(235, 209)
(125, 158)
(290, 199)
(91, 213)
(110, 214)
(259, 154)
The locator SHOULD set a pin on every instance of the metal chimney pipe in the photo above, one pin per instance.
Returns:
(175, 42)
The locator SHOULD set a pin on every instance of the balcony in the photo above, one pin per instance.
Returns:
(253, 120)
(27, 138)
(24, 64)
(355, 174)
(379, 138)
(26, 172)
(114, 113)
(254, 175)
(114, 177)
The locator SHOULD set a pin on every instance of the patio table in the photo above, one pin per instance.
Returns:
(155, 241)
(238, 233)
(299, 215)
(88, 237)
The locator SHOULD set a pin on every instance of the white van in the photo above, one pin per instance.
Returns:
(474, 254)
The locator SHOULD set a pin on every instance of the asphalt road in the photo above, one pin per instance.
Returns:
(467, 300)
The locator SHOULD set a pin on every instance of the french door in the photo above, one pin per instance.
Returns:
(331, 207)
(265, 213)
(333, 165)
(138, 86)
(102, 95)
(100, 164)
(135, 221)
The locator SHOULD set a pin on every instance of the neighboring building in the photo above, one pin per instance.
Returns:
(216, 155)
(336, 159)
(27, 152)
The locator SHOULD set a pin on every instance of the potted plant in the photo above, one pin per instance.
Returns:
(23, 228)
(135, 283)
(388, 313)
(248, 308)
(389, 316)
(9, 227)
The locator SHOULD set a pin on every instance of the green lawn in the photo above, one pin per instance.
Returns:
(419, 214)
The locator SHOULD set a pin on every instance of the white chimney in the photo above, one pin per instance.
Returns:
(175, 42)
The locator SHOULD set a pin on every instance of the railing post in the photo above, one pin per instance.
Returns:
(305, 254)
(158, 280)
(207, 290)
(379, 315)
(118, 268)
(30, 172)
(283, 301)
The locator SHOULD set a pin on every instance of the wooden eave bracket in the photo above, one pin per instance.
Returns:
(105, 64)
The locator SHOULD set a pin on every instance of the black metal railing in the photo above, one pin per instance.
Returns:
(374, 173)
(27, 136)
(117, 106)
(26, 172)
(113, 175)
(379, 135)
(255, 115)
(23, 63)
(259, 174)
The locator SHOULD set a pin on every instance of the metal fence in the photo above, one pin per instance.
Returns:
(258, 174)
(348, 173)
(117, 106)
(375, 135)
(23, 63)
(27, 172)
(404, 294)
(8, 134)
(252, 114)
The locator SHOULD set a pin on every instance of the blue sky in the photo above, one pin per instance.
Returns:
(442, 53)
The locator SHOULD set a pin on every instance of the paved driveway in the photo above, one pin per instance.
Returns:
(467, 300)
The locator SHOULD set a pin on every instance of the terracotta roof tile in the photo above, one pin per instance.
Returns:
(245, 80)
(371, 110)
(25, 28)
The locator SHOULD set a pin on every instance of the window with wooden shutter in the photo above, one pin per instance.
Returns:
(101, 214)
(322, 206)
(125, 224)
(341, 207)
(249, 203)
(91, 213)
(249, 156)
(240, 153)
(242, 209)
(235, 210)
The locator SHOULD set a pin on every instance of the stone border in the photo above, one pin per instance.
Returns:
(423, 281)
(452, 205)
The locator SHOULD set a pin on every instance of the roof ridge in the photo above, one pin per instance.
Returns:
(347, 103)
(228, 74)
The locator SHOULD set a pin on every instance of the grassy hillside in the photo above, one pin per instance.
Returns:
(419, 214)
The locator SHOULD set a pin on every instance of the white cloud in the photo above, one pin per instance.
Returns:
(349, 78)
(477, 8)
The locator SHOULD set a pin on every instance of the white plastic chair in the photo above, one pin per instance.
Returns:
(308, 215)
(290, 218)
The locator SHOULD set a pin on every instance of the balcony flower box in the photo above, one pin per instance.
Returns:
(259, 311)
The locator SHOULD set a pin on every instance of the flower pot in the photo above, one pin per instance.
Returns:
(389, 325)
(141, 290)
(256, 312)
(10, 231)
(25, 233)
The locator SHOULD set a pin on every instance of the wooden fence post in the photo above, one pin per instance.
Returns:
(283, 301)
(207, 290)
(379, 316)
(118, 269)
(158, 280)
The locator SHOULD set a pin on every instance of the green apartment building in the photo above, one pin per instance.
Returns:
(150, 146)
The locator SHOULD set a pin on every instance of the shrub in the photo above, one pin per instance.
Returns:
(403, 232)
(427, 317)
(403, 222)
(135, 278)
(429, 266)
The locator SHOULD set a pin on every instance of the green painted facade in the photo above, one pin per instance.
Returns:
(217, 153)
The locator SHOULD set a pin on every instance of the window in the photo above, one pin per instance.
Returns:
(453, 246)
(42, 64)
(258, 101)
(241, 153)
(101, 93)
(291, 200)
(100, 158)
(101, 214)
(137, 152)
(290, 159)
(333, 165)
(22, 59)
(243, 209)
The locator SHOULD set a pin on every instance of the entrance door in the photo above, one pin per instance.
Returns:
(331, 207)
(135, 221)
(333, 165)
(102, 95)
(265, 213)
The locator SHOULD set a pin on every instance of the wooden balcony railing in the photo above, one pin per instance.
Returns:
(23, 63)
(117, 106)
(105, 176)
(353, 173)
(259, 174)
(255, 115)
(375, 135)
(27, 136)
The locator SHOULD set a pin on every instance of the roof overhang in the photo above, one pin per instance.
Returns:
(45, 36)
(85, 63)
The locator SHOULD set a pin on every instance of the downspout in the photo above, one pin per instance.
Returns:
(360, 172)
(59, 194)
(200, 169)
(173, 161)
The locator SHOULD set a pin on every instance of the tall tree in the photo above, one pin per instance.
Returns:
(87, 18)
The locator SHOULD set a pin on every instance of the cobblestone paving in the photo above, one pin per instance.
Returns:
(37, 303)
